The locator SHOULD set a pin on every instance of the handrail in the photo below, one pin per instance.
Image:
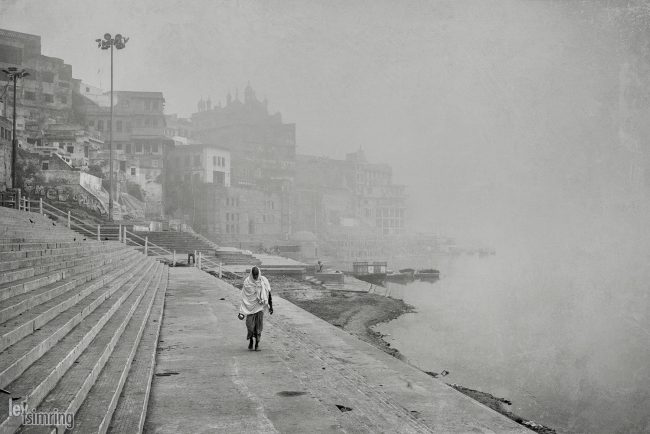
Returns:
(149, 243)
(123, 234)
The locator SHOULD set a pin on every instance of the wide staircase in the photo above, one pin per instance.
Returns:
(234, 256)
(180, 242)
(79, 324)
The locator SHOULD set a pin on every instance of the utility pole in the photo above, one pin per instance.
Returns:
(119, 42)
(14, 74)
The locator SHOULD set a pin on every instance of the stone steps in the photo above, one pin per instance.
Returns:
(40, 378)
(22, 354)
(72, 390)
(97, 265)
(131, 410)
(127, 361)
(24, 280)
(79, 323)
(14, 329)
(51, 256)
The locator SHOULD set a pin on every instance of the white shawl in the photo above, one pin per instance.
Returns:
(254, 294)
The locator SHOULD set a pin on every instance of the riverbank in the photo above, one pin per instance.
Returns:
(358, 312)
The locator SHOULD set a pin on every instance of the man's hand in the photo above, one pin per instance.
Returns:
(271, 310)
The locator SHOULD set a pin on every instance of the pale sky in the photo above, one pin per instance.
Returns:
(485, 109)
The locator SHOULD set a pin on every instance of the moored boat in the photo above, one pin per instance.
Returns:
(427, 274)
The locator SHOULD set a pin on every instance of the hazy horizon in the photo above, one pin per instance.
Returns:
(495, 114)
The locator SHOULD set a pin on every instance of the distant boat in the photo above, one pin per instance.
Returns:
(410, 271)
(427, 274)
(374, 272)
(399, 277)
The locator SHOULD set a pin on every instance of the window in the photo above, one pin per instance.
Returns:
(64, 84)
(154, 105)
(63, 99)
(47, 76)
(100, 125)
(147, 148)
(128, 127)
(48, 97)
(197, 160)
(118, 126)
(133, 171)
(154, 148)
(128, 148)
(10, 54)
(147, 105)
(154, 162)
(29, 95)
(45, 165)
(91, 123)
(122, 166)
(86, 151)
(154, 122)
(214, 161)
(138, 148)
(70, 149)
(147, 122)
(118, 146)
(61, 145)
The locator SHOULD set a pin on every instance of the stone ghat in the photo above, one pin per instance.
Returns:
(79, 323)
(308, 376)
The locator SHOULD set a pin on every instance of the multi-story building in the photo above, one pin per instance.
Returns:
(379, 202)
(5, 153)
(71, 142)
(179, 129)
(262, 148)
(45, 95)
(199, 163)
(347, 193)
(138, 130)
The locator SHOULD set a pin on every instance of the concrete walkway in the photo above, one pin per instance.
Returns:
(308, 376)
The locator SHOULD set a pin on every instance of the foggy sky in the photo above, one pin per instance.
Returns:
(492, 112)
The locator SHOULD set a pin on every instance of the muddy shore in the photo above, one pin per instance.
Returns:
(358, 312)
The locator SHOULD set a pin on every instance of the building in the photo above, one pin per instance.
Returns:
(179, 129)
(138, 131)
(72, 142)
(45, 95)
(331, 194)
(199, 163)
(262, 148)
(379, 202)
(236, 216)
(5, 153)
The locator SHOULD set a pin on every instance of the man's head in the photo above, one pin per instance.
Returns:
(255, 272)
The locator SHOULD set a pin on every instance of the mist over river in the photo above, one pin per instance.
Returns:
(570, 347)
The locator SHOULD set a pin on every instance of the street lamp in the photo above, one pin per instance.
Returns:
(14, 74)
(119, 42)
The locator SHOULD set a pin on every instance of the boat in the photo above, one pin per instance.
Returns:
(427, 274)
(374, 272)
(410, 271)
(399, 277)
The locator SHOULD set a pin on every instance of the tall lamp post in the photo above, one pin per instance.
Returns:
(14, 74)
(119, 42)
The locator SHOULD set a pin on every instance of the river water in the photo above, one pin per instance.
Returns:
(573, 354)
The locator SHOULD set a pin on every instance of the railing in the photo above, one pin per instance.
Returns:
(111, 232)
(10, 198)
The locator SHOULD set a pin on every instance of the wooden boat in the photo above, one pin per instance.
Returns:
(399, 277)
(427, 274)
